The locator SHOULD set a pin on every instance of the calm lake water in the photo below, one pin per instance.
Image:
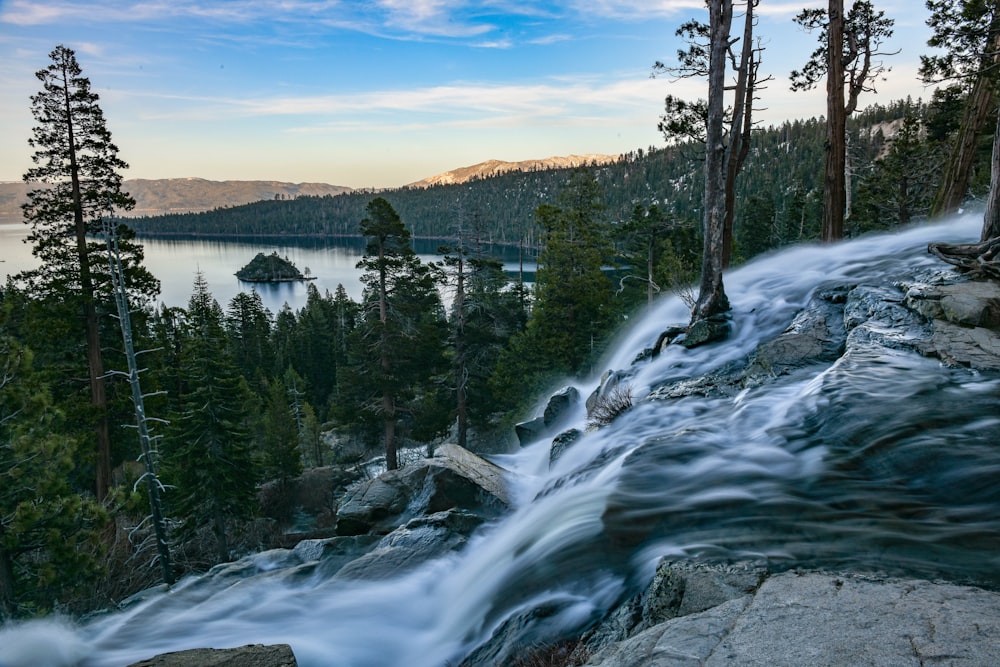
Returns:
(176, 261)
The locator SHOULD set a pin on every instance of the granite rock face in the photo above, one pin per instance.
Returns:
(794, 619)
(252, 655)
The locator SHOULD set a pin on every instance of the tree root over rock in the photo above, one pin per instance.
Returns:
(979, 260)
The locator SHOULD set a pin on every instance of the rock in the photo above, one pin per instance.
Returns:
(557, 410)
(252, 655)
(816, 334)
(453, 478)
(971, 303)
(562, 442)
(833, 620)
(410, 545)
(975, 347)
(530, 431)
(707, 330)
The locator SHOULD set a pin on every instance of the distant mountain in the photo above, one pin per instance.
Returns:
(492, 168)
(183, 195)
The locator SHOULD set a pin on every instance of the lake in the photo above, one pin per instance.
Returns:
(176, 261)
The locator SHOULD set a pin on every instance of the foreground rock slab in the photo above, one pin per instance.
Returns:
(822, 619)
(252, 655)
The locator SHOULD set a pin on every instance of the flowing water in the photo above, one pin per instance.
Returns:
(882, 461)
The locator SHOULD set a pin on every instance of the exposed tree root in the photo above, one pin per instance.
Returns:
(979, 260)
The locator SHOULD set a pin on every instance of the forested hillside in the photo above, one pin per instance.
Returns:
(778, 195)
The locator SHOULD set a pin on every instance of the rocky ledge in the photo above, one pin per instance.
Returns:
(706, 616)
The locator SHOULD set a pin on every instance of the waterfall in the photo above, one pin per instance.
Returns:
(886, 463)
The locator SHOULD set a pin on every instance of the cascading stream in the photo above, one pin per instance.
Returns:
(881, 461)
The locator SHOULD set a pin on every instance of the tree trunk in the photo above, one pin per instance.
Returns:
(8, 604)
(461, 372)
(991, 220)
(711, 294)
(955, 180)
(219, 528)
(95, 361)
(836, 127)
(739, 131)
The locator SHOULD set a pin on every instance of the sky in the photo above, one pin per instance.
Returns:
(382, 93)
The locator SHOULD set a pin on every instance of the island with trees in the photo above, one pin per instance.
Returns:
(270, 269)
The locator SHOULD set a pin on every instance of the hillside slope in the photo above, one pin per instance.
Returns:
(183, 195)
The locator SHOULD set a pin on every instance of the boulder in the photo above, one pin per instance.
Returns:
(252, 655)
(707, 330)
(816, 334)
(562, 442)
(410, 545)
(557, 411)
(826, 619)
(970, 303)
(974, 347)
(454, 478)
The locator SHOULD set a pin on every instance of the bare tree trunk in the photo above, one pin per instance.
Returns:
(711, 295)
(739, 131)
(836, 126)
(461, 372)
(388, 404)
(991, 220)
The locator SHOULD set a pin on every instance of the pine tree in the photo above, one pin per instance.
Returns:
(849, 57)
(44, 524)
(969, 33)
(248, 329)
(282, 453)
(573, 309)
(398, 344)
(209, 458)
(78, 179)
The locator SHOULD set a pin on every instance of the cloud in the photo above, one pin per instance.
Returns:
(563, 101)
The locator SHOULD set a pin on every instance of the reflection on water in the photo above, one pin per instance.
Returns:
(175, 262)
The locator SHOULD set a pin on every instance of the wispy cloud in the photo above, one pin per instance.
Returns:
(446, 104)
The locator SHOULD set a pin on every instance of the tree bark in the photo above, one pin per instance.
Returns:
(8, 604)
(982, 99)
(834, 196)
(739, 131)
(991, 219)
(711, 294)
(95, 360)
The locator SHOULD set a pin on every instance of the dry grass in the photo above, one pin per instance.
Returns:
(610, 405)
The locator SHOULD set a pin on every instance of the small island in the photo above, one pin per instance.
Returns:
(270, 269)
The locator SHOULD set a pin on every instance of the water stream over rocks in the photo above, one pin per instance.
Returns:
(866, 456)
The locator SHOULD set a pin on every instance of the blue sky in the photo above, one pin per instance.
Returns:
(383, 93)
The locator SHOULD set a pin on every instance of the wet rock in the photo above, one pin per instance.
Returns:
(816, 334)
(453, 478)
(562, 442)
(557, 411)
(704, 331)
(252, 655)
(974, 347)
(530, 431)
(972, 303)
(415, 543)
(824, 619)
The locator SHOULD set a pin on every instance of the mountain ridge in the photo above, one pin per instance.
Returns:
(491, 168)
(193, 194)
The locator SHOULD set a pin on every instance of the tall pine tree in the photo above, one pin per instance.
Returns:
(76, 180)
